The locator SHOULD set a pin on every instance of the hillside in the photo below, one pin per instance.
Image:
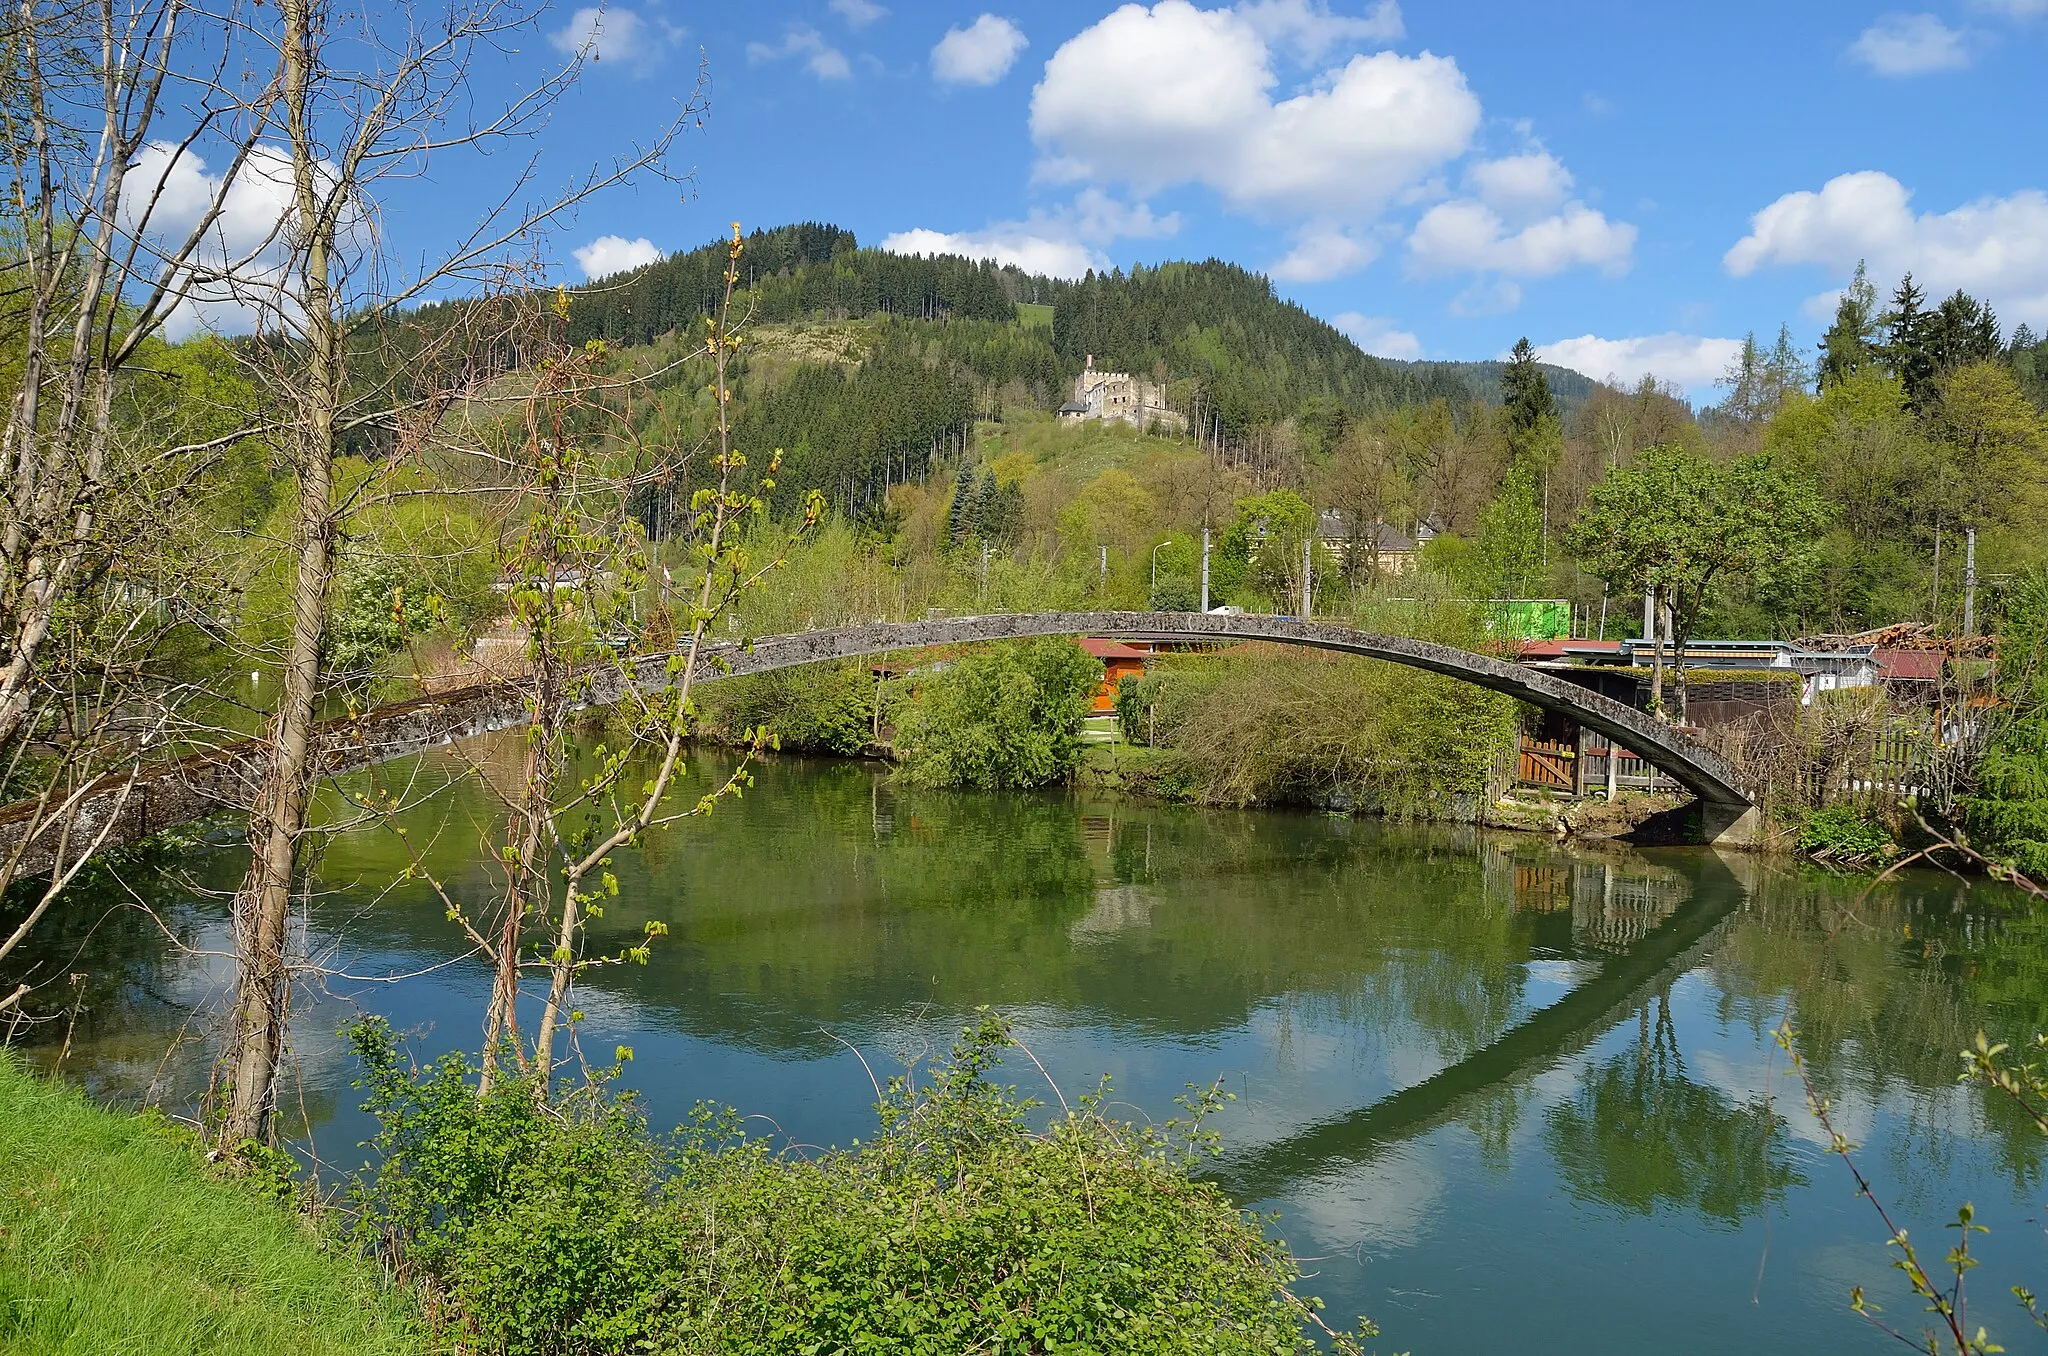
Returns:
(874, 364)
(1214, 322)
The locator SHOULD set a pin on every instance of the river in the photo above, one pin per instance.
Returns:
(1506, 1094)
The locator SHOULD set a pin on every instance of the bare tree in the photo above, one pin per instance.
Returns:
(365, 101)
(97, 102)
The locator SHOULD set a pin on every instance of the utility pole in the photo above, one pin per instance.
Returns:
(1970, 582)
(1102, 584)
(1205, 568)
(1650, 616)
(1308, 549)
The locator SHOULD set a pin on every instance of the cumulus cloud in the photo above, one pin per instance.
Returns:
(1171, 94)
(238, 271)
(979, 54)
(609, 254)
(807, 44)
(1034, 253)
(1063, 243)
(1497, 296)
(1468, 235)
(1910, 44)
(859, 13)
(1686, 360)
(1519, 186)
(608, 33)
(1324, 252)
(1097, 216)
(1996, 248)
(1379, 334)
(1308, 29)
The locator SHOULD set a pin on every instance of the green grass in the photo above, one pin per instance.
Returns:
(115, 1239)
(1034, 316)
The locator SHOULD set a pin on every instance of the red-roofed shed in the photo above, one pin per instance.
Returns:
(1118, 662)
(1908, 666)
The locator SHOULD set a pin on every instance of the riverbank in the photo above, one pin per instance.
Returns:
(1134, 770)
(116, 1238)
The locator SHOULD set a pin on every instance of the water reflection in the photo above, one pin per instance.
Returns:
(1478, 1074)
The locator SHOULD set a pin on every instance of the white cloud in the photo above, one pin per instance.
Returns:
(1097, 216)
(820, 58)
(979, 54)
(1686, 360)
(1308, 29)
(1996, 248)
(859, 13)
(1520, 186)
(238, 275)
(609, 254)
(1063, 243)
(1910, 44)
(1324, 252)
(1378, 334)
(1034, 253)
(608, 33)
(1466, 234)
(1176, 95)
(1495, 297)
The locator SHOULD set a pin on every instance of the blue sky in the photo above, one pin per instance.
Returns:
(1633, 187)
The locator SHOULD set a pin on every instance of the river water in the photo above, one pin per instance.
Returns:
(1507, 1095)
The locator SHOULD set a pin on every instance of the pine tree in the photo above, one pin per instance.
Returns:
(1849, 346)
(1784, 370)
(987, 505)
(1745, 383)
(1524, 391)
(1962, 330)
(959, 517)
(1908, 328)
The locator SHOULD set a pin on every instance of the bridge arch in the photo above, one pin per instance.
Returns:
(130, 809)
(1727, 809)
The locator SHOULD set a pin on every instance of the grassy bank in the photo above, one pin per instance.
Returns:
(115, 1238)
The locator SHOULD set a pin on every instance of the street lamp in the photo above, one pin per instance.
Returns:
(1155, 567)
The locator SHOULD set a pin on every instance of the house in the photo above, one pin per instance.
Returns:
(1381, 547)
(1119, 397)
(1818, 670)
(1119, 661)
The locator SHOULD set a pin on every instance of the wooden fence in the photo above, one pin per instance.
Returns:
(1873, 767)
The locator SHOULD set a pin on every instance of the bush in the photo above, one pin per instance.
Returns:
(1005, 717)
(1276, 725)
(1844, 833)
(2009, 809)
(955, 1228)
(820, 708)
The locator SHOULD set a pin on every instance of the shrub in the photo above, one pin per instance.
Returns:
(956, 1227)
(1005, 717)
(1846, 834)
(820, 708)
(2009, 809)
(1274, 725)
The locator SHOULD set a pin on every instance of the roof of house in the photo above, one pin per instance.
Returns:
(1073, 407)
(1334, 525)
(1909, 666)
(1555, 649)
(1106, 649)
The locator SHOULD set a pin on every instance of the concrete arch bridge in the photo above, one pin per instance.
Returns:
(173, 793)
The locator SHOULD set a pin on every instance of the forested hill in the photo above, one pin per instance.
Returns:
(1256, 357)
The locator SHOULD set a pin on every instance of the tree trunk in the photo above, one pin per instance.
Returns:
(1657, 652)
(278, 818)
